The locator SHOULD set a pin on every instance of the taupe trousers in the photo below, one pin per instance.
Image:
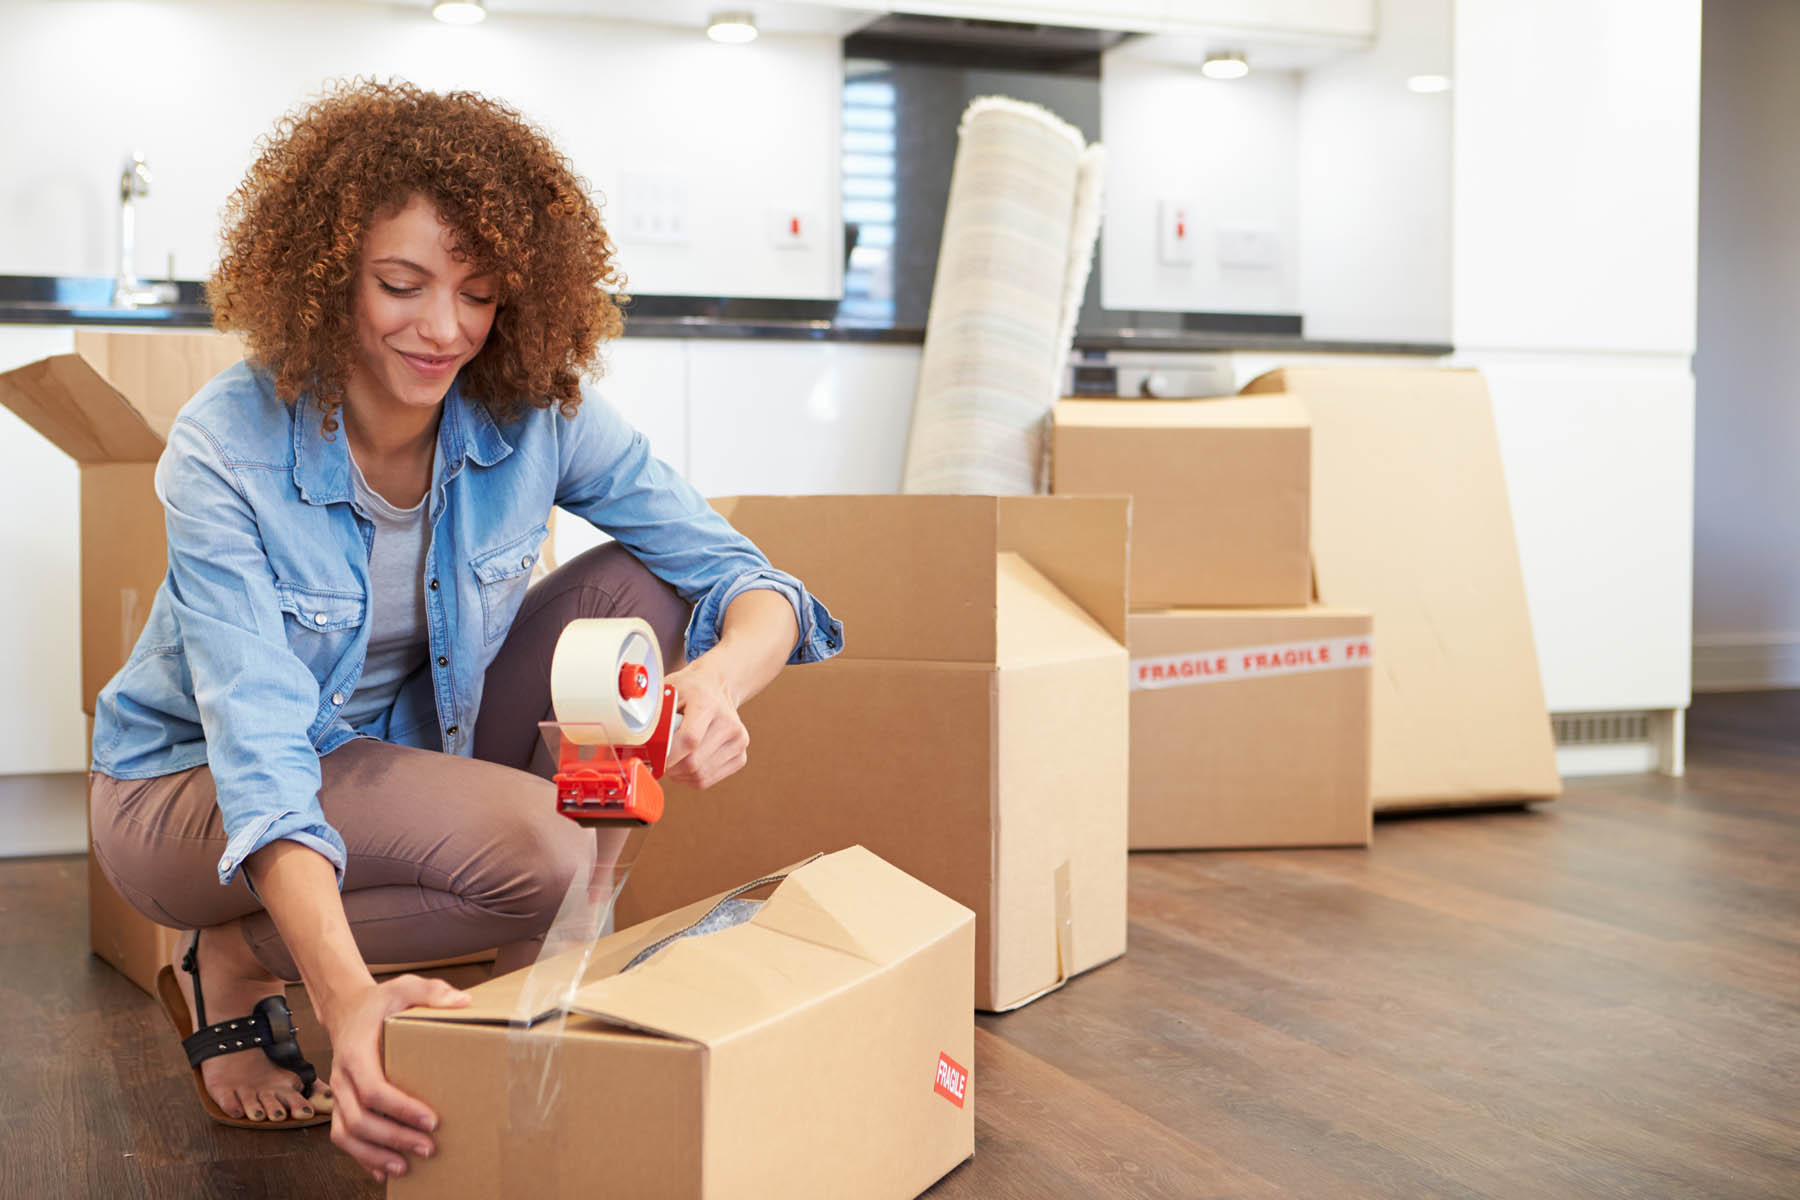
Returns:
(447, 855)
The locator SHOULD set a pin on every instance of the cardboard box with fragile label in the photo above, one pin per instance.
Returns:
(1250, 727)
(1219, 493)
(972, 732)
(823, 1047)
(1411, 523)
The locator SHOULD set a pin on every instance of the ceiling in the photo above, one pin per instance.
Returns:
(776, 18)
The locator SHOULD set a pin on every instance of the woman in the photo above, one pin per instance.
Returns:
(318, 754)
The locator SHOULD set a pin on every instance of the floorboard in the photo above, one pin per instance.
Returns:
(1594, 997)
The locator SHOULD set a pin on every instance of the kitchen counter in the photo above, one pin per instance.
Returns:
(87, 300)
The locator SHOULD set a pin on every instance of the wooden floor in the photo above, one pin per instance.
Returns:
(1597, 998)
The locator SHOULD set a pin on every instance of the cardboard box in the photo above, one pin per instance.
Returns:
(972, 732)
(1411, 523)
(823, 1048)
(1250, 727)
(136, 946)
(1219, 493)
(108, 406)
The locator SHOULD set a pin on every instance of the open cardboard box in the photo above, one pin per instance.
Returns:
(1218, 488)
(109, 405)
(972, 732)
(822, 1048)
(1411, 523)
(1250, 728)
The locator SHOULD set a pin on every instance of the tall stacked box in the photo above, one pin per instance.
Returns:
(1249, 708)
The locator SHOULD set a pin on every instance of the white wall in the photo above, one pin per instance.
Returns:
(1747, 501)
(193, 84)
(1227, 147)
(1374, 180)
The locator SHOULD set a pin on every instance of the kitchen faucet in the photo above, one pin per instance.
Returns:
(128, 292)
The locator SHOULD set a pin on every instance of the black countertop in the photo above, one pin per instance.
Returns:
(87, 300)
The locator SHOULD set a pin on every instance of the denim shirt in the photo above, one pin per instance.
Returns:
(257, 635)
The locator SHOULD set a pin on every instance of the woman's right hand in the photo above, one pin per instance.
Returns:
(375, 1122)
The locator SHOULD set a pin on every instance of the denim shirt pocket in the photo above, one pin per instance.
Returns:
(321, 625)
(502, 575)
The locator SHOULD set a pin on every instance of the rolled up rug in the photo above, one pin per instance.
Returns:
(1018, 245)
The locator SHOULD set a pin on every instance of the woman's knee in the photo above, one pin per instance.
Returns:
(609, 581)
(535, 857)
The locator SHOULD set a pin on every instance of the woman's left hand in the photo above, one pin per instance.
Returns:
(712, 743)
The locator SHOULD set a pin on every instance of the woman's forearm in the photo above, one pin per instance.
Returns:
(756, 639)
(299, 889)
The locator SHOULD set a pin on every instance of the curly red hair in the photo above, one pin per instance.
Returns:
(294, 230)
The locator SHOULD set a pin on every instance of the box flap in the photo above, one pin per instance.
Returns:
(1425, 542)
(115, 397)
(1039, 623)
(910, 577)
(158, 370)
(64, 398)
(1079, 543)
(830, 923)
(1258, 412)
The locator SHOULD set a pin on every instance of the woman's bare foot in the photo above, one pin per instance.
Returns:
(245, 1084)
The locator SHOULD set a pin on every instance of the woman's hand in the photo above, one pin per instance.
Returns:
(712, 743)
(375, 1122)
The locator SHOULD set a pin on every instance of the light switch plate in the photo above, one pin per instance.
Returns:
(1248, 246)
(1176, 231)
(653, 207)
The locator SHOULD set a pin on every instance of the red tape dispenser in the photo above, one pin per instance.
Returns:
(614, 717)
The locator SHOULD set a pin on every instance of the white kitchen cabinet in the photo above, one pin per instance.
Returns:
(798, 417)
(41, 726)
(1279, 20)
(1600, 471)
(1575, 175)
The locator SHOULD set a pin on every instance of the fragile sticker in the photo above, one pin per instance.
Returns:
(952, 1080)
(1252, 662)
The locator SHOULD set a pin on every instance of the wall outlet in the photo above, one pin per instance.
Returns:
(653, 207)
(1245, 246)
(1176, 232)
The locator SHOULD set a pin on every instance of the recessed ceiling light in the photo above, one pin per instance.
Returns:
(735, 27)
(459, 12)
(1225, 64)
(1427, 84)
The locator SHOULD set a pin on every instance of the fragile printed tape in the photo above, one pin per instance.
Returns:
(1252, 662)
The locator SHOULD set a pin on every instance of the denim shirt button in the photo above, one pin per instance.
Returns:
(337, 697)
(525, 562)
(318, 618)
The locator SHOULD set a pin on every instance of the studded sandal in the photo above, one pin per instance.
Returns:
(269, 1027)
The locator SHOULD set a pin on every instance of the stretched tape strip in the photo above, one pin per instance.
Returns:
(534, 1046)
(1252, 662)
